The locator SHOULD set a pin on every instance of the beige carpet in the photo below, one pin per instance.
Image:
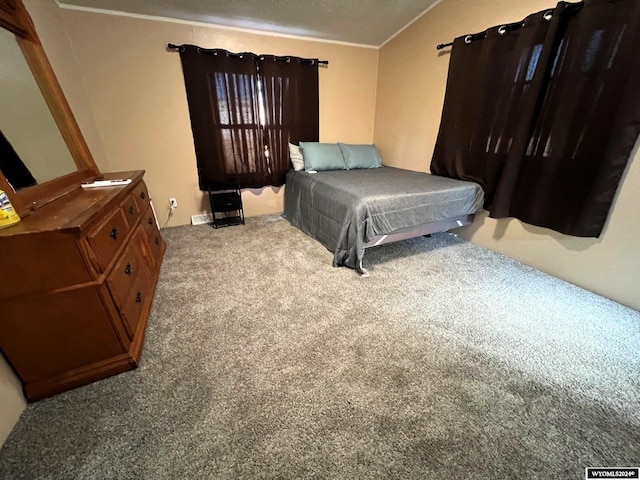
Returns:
(264, 361)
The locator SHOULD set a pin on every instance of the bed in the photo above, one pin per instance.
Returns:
(349, 211)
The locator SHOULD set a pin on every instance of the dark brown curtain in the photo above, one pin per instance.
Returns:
(222, 92)
(490, 91)
(586, 126)
(290, 88)
(569, 128)
(244, 110)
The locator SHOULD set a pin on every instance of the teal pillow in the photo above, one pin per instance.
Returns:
(322, 156)
(360, 156)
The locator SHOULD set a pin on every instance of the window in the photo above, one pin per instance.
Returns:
(244, 111)
(545, 116)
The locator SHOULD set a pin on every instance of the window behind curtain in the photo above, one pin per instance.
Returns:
(292, 114)
(244, 110)
(587, 123)
(489, 92)
(555, 105)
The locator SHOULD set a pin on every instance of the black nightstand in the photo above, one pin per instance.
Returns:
(226, 205)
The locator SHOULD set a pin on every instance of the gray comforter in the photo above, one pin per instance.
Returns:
(344, 209)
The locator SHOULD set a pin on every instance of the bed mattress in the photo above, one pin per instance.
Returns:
(344, 209)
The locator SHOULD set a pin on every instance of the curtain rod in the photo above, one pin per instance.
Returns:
(173, 46)
(473, 36)
(440, 46)
(502, 29)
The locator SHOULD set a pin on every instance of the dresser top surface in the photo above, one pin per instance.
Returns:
(74, 210)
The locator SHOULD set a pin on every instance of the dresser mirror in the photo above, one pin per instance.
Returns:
(32, 150)
(42, 152)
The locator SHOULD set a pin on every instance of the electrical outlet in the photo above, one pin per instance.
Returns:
(173, 203)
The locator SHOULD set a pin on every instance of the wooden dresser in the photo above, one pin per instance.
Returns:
(77, 279)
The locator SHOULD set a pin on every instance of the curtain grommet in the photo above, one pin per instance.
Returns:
(502, 29)
(548, 15)
(468, 39)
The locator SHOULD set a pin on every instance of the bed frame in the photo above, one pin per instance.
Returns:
(419, 231)
(422, 230)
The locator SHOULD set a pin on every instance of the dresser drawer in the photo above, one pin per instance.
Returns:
(141, 195)
(131, 210)
(126, 271)
(156, 243)
(109, 237)
(149, 222)
(137, 298)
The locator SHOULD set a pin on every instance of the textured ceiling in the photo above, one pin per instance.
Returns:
(367, 22)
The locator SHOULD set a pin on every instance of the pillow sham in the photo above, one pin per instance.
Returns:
(295, 154)
(360, 156)
(322, 156)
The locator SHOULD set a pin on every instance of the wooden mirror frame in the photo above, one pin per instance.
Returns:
(15, 18)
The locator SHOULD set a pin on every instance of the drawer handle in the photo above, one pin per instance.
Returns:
(114, 233)
(138, 297)
(131, 210)
(150, 221)
(128, 269)
(142, 195)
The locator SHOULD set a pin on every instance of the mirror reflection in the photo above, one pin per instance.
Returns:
(32, 150)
